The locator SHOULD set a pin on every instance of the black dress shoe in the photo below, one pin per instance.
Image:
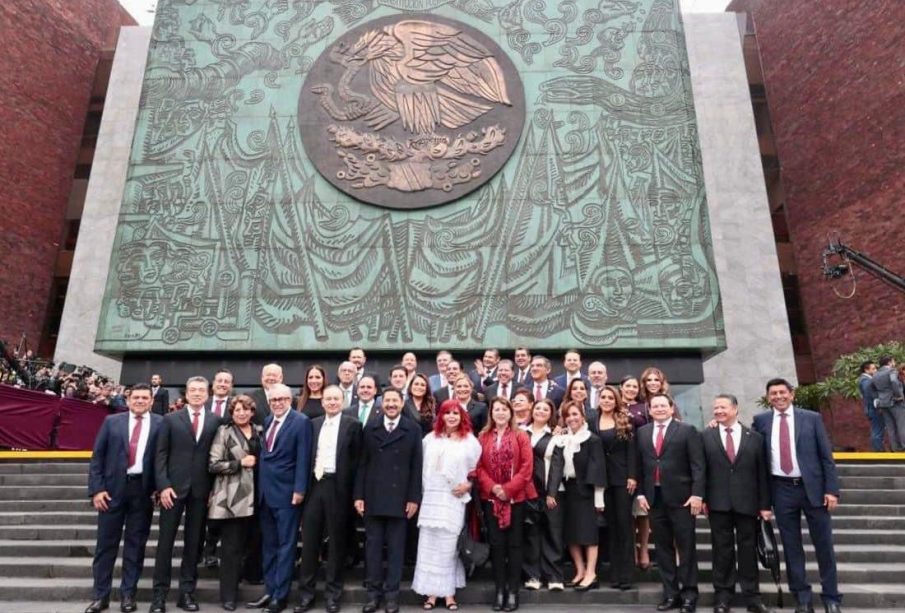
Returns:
(688, 606)
(721, 607)
(187, 602)
(98, 605)
(260, 603)
(500, 601)
(370, 606)
(127, 604)
(511, 601)
(593, 585)
(275, 606)
(229, 605)
(625, 586)
(832, 607)
(804, 608)
(759, 607)
(669, 603)
(332, 606)
(158, 606)
(392, 606)
(306, 604)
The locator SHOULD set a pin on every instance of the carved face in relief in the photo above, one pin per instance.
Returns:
(408, 113)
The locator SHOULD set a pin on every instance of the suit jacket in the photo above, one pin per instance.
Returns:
(741, 486)
(375, 412)
(547, 482)
(209, 406)
(480, 382)
(555, 392)
(348, 449)
(110, 458)
(477, 411)
(234, 486)
(181, 462)
(526, 382)
(683, 470)
(493, 390)
(161, 403)
(868, 392)
(621, 456)
(262, 407)
(389, 468)
(434, 382)
(889, 388)
(812, 449)
(284, 470)
(563, 381)
(441, 395)
(354, 398)
(520, 487)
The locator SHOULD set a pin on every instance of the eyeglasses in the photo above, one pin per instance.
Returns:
(280, 399)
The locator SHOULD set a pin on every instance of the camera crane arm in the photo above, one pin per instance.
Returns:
(851, 256)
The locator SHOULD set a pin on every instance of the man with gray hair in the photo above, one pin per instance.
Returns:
(345, 376)
(271, 374)
(182, 478)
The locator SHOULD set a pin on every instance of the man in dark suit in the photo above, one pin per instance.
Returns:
(160, 395)
(367, 406)
(120, 484)
(218, 404)
(180, 470)
(572, 363)
(521, 371)
(504, 386)
(438, 380)
(327, 514)
(737, 492)
(453, 371)
(282, 483)
(803, 480)
(891, 401)
(671, 486)
(869, 399)
(485, 371)
(357, 356)
(345, 378)
(542, 386)
(271, 375)
(387, 493)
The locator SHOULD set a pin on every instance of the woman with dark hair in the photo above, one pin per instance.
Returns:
(630, 390)
(577, 391)
(451, 453)
(233, 459)
(523, 406)
(613, 425)
(543, 538)
(420, 402)
(312, 393)
(584, 475)
(505, 482)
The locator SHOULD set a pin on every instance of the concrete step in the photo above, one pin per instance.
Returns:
(477, 593)
(18, 480)
(44, 468)
(849, 484)
(81, 503)
(44, 492)
(871, 469)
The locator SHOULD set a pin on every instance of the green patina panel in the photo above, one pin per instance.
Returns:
(593, 234)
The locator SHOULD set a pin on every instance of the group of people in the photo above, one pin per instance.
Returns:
(503, 452)
(881, 387)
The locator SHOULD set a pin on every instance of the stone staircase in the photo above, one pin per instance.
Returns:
(47, 537)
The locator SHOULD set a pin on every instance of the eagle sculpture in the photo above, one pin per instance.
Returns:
(426, 74)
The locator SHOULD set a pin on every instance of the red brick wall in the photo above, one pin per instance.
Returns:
(49, 51)
(835, 86)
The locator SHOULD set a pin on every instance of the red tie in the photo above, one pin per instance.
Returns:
(219, 409)
(505, 393)
(133, 442)
(538, 393)
(730, 446)
(271, 434)
(785, 445)
(195, 415)
(658, 448)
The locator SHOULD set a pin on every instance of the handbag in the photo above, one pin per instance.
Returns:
(472, 553)
(768, 553)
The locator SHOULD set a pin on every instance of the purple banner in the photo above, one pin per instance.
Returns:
(79, 424)
(27, 418)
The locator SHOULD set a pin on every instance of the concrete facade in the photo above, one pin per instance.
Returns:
(102, 202)
(757, 332)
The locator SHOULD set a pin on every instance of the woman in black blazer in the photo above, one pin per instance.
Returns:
(613, 425)
(543, 547)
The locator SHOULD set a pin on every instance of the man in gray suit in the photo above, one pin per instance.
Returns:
(891, 402)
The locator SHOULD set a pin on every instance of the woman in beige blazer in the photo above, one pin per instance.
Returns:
(233, 459)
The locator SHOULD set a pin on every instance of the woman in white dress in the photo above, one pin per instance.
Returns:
(451, 453)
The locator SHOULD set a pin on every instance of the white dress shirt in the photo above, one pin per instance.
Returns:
(774, 445)
(387, 423)
(736, 433)
(201, 412)
(657, 429)
(544, 387)
(327, 442)
(275, 428)
(136, 468)
(224, 407)
(505, 393)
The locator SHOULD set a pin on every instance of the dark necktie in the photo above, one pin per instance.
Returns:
(504, 391)
(658, 447)
(195, 415)
(730, 446)
(219, 409)
(133, 442)
(390, 427)
(271, 434)
(785, 444)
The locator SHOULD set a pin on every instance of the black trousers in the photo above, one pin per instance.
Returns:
(326, 515)
(731, 532)
(212, 536)
(195, 510)
(233, 546)
(543, 548)
(505, 547)
(254, 562)
(620, 533)
(134, 513)
(672, 529)
(380, 532)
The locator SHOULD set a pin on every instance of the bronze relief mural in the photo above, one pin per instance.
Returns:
(417, 173)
